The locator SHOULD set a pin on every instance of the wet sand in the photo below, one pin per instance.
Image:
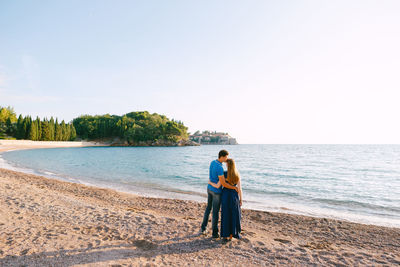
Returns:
(47, 222)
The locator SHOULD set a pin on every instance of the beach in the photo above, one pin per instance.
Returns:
(48, 222)
(7, 145)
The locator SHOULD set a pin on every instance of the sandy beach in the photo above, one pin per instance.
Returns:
(7, 145)
(47, 222)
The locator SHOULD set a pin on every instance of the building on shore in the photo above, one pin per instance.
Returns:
(212, 138)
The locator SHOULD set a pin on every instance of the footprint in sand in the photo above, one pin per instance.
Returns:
(245, 240)
(284, 241)
(249, 233)
(144, 244)
(170, 220)
(134, 209)
(260, 243)
(304, 258)
(188, 218)
(312, 245)
(300, 249)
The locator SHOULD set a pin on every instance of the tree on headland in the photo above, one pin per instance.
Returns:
(133, 127)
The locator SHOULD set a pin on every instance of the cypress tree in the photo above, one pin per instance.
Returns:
(55, 129)
(33, 132)
(64, 132)
(9, 129)
(73, 133)
(29, 126)
(58, 131)
(52, 129)
(20, 122)
(38, 129)
(45, 130)
(25, 128)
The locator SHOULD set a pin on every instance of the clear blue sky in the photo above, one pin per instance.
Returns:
(264, 71)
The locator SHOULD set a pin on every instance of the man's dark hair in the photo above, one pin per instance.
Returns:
(223, 153)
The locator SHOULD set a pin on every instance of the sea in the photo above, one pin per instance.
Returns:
(358, 183)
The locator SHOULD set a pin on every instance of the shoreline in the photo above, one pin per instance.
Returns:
(8, 145)
(46, 221)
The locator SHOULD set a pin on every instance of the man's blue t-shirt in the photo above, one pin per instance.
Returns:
(215, 171)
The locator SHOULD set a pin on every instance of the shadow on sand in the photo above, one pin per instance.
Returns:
(132, 249)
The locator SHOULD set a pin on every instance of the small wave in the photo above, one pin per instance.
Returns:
(373, 170)
(4, 164)
(356, 204)
(274, 193)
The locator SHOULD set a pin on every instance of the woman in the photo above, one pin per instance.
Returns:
(231, 201)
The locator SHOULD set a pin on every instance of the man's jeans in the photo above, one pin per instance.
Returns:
(214, 202)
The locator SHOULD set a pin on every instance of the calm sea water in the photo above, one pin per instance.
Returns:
(360, 183)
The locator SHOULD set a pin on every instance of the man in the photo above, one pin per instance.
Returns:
(214, 194)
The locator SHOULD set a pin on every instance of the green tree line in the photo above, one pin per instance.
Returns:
(37, 129)
(44, 130)
(133, 127)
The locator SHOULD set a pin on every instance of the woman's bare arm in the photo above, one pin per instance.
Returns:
(240, 192)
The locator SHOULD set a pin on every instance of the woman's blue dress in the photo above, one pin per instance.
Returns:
(230, 213)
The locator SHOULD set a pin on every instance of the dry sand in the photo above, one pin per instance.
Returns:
(47, 222)
(6, 145)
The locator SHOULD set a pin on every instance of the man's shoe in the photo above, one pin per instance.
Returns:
(203, 232)
(215, 235)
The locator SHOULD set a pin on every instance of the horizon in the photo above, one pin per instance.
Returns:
(299, 72)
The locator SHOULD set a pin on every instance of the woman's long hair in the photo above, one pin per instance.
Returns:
(233, 174)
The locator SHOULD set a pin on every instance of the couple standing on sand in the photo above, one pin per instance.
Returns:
(225, 192)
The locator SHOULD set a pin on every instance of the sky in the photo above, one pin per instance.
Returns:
(266, 72)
